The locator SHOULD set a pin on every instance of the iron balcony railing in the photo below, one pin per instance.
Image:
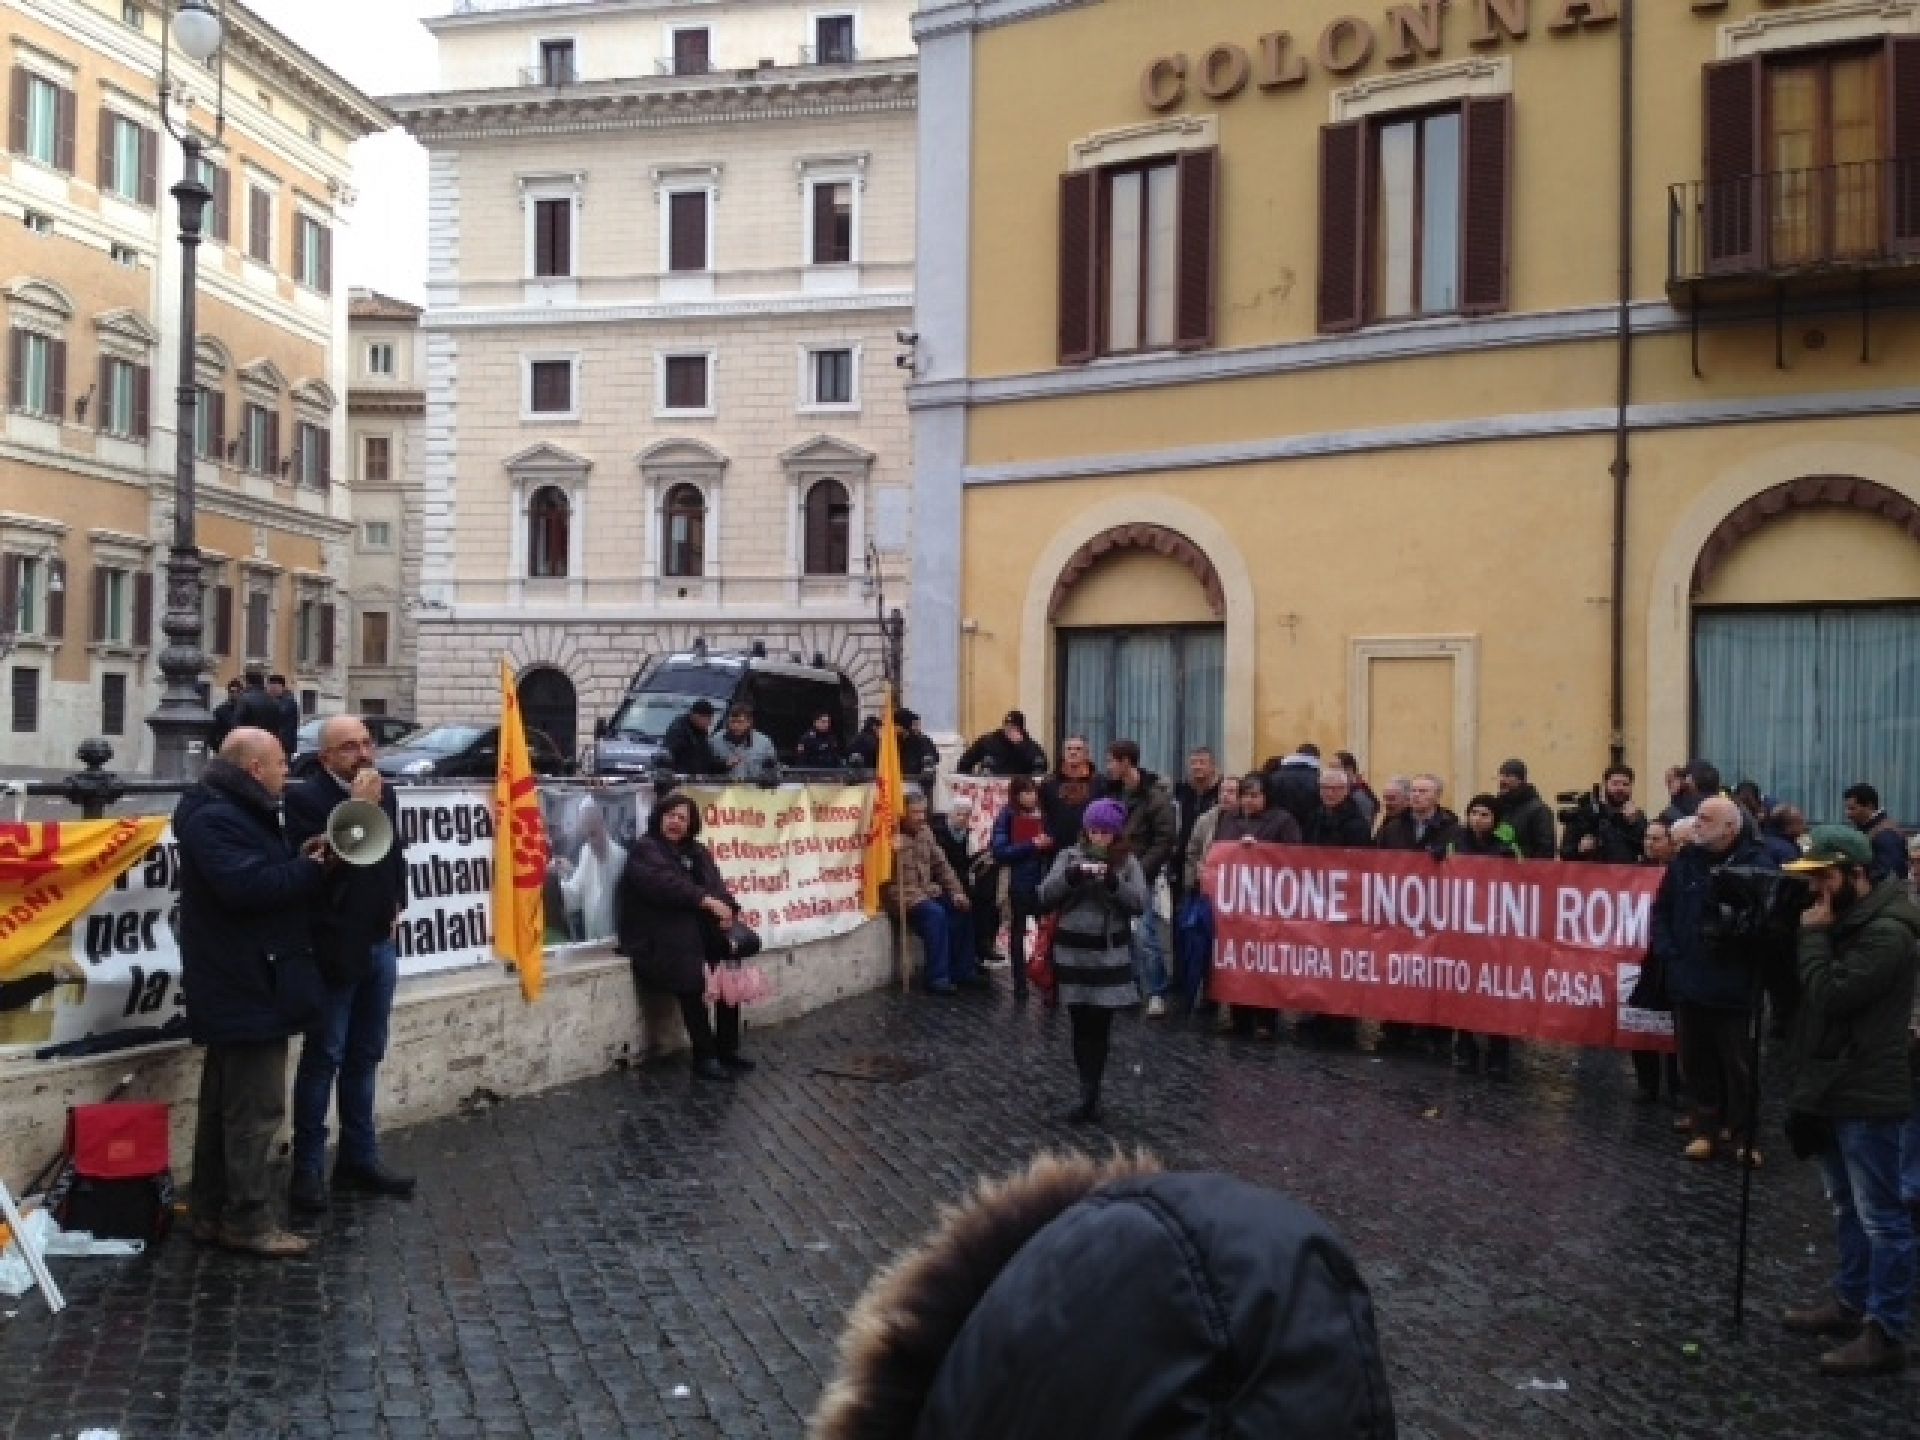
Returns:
(1860, 215)
(550, 74)
(679, 65)
(828, 55)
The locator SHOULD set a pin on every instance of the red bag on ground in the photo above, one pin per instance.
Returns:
(121, 1182)
(1040, 957)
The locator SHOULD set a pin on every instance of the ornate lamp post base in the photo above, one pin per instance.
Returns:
(181, 721)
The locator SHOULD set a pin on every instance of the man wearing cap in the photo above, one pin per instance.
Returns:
(1006, 751)
(1522, 811)
(1859, 944)
(689, 742)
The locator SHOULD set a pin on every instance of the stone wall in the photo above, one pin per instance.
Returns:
(456, 1038)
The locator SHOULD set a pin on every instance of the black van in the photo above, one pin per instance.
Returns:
(785, 696)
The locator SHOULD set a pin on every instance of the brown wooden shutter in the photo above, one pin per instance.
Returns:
(16, 369)
(223, 620)
(1733, 217)
(9, 593)
(103, 394)
(57, 379)
(326, 458)
(104, 150)
(22, 96)
(1079, 267)
(99, 616)
(222, 204)
(1199, 201)
(326, 636)
(149, 167)
(68, 128)
(260, 225)
(143, 608)
(56, 598)
(1486, 210)
(1343, 226)
(299, 247)
(687, 231)
(217, 422)
(273, 442)
(1903, 143)
(142, 401)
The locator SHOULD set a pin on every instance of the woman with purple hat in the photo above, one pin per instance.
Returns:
(1098, 891)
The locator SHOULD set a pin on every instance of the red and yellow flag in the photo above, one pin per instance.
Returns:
(51, 872)
(889, 804)
(520, 850)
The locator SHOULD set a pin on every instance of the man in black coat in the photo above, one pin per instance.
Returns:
(1337, 821)
(1293, 784)
(1611, 830)
(353, 940)
(255, 708)
(223, 721)
(1522, 811)
(247, 969)
(1010, 750)
(689, 742)
(288, 705)
(918, 753)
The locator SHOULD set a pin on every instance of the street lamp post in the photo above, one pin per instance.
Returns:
(181, 721)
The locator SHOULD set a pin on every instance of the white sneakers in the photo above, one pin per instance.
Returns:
(1156, 1007)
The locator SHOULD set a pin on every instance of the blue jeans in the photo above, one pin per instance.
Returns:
(947, 932)
(1194, 936)
(1874, 1230)
(1148, 946)
(348, 1041)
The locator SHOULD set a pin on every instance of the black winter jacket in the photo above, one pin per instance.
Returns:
(1523, 811)
(1402, 832)
(360, 902)
(1002, 756)
(258, 709)
(1064, 799)
(689, 751)
(819, 752)
(1702, 970)
(1341, 828)
(1294, 786)
(245, 898)
(1621, 841)
(663, 931)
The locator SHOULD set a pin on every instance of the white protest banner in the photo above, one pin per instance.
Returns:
(449, 840)
(792, 856)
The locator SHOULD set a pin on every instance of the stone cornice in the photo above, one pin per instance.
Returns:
(522, 316)
(386, 402)
(658, 102)
(265, 49)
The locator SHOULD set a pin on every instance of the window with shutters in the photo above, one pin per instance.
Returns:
(550, 387)
(26, 699)
(829, 379)
(831, 222)
(1137, 256)
(260, 224)
(306, 635)
(688, 230)
(259, 624)
(380, 358)
(685, 384)
(128, 155)
(216, 616)
(43, 118)
(260, 439)
(113, 597)
(375, 457)
(124, 398)
(1415, 214)
(549, 526)
(209, 424)
(373, 637)
(556, 62)
(828, 518)
(22, 584)
(553, 236)
(692, 50)
(113, 704)
(313, 254)
(1822, 114)
(683, 532)
(311, 444)
(37, 374)
(219, 220)
(833, 40)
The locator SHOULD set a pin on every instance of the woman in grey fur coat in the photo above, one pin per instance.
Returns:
(1098, 891)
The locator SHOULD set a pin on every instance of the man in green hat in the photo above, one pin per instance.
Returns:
(1859, 943)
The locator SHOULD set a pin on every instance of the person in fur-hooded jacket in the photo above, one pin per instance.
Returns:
(1086, 1299)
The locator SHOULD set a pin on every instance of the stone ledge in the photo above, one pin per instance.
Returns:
(454, 1035)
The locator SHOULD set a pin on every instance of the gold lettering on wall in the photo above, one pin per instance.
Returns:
(1278, 66)
(1509, 15)
(1346, 45)
(1411, 27)
(1223, 74)
(1576, 13)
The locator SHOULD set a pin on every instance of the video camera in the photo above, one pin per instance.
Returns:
(1756, 905)
(1580, 807)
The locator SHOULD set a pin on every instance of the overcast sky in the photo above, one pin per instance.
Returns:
(380, 46)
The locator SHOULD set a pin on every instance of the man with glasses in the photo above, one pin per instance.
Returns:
(353, 940)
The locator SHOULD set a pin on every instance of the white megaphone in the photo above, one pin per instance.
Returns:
(359, 832)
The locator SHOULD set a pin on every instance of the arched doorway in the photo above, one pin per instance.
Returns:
(548, 702)
(1806, 644)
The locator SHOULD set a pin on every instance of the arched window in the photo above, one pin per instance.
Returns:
(684, 533)
(828, 521)
(549, 519)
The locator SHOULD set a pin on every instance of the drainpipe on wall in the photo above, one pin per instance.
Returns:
(1622, 463)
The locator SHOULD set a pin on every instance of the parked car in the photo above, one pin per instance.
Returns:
(785, 696)
(385, 730)
(459, 752)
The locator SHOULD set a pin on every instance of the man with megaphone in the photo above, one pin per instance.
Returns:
(345, 803)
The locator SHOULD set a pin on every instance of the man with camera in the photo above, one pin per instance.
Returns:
(1603, 825)
(353, 941)
(1852, 1090)
(1710, 977)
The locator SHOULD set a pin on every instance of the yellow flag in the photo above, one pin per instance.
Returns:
(889, 804)
(520, 850)
(51, 872)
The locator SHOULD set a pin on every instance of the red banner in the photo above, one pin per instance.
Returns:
(1538, 949)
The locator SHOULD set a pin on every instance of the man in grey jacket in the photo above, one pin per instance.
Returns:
(742, 750)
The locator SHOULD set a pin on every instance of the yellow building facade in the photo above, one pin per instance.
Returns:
(1444, 382)
(90, 283)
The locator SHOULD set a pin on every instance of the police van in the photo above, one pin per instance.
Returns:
(785, 695)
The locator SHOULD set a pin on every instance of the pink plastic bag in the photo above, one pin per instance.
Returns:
(737, 985)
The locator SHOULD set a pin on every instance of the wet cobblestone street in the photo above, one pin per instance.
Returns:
(633, 1257)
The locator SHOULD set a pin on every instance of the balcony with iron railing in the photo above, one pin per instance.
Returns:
(550, 74)
(829, 55)
(1851, 228)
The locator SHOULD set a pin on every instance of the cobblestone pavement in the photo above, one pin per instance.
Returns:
(628, 1257)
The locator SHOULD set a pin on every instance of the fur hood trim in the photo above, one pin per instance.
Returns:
(900, 1332)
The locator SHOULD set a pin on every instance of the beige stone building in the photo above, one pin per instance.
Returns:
(386, 419)
(670, 260)
(90, 281)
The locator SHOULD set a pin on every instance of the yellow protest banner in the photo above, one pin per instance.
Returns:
(51, 871)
